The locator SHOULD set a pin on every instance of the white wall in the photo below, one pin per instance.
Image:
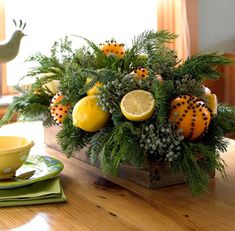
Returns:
(217, 25)
(50, 20)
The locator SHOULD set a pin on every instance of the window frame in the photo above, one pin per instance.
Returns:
(4, 88)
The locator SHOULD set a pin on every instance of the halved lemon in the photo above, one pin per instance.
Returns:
(138, 105)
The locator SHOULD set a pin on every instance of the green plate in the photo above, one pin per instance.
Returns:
(43, 167)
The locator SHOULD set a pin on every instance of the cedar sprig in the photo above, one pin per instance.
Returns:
(97, 143)
(202, 66)
(70, 138)
(122, 146)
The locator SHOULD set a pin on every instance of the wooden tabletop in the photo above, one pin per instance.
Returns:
(95, 203)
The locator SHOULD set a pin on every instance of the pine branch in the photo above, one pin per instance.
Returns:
(197, 163)
(122, 146)
(97, 143)
(10, 112)
(151, 44)
(202, 66)
(30, 107)
(70, 138)
(163, 93)
(226, 118)
(196, 178)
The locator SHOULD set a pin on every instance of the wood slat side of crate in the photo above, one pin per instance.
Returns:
(151, 175)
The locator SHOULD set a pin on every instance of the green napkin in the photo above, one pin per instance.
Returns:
(47, 191)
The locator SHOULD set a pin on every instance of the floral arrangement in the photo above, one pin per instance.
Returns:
(129, 104)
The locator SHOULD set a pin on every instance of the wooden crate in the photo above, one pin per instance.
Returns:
(152, 175)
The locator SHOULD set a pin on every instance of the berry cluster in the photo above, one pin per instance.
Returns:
(112, 92)
(187, 84)
(163, 142)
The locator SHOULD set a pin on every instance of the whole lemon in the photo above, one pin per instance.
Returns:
(88, 116)
(95, 89)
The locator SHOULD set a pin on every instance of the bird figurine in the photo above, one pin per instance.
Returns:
(10, 49)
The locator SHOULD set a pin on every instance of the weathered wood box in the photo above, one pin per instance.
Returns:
(152, 175)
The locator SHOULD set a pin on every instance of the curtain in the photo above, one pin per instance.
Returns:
(180, 17)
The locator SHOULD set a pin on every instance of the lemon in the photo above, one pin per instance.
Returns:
(95, 89)
(207, 90)
(138, 105)
(53, 86)
(212, 103)
(88, 116)
(212, 100)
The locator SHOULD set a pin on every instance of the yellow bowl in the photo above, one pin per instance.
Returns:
(14, 150)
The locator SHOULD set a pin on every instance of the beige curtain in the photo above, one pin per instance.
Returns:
(180, 17)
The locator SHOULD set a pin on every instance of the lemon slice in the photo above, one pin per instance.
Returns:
(138, 105)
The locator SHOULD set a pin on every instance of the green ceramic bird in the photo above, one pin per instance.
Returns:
(10, 49)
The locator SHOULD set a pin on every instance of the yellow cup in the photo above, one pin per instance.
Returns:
(14, 150)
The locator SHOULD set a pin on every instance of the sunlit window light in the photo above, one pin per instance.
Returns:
(48, 21)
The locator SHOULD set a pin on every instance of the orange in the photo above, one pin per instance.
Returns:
(58, 111)
(141, 73)
(113, 48)
(190, 114)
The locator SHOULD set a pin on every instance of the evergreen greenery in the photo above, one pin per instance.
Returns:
(123, 141)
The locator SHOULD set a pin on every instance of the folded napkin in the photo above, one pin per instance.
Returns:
(47, 191)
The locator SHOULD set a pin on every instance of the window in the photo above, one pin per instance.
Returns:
(48, 21)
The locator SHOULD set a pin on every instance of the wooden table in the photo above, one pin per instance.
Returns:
(95, 203)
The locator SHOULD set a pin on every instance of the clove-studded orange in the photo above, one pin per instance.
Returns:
(58, 111)
(191, 115)
(141, 73)
(113, 48)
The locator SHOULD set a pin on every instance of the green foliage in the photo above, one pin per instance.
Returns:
(163, 92)
(72, 139)
(123, 141)
(188, 85)
(121, 146)
(151, 44)
(202, 66)
(226, 118)
(31, 107)
(97, 143)
(197, 163)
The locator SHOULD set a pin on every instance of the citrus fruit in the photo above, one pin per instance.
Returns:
(113, 48)
(58, 111)
(88, 116)
(212, 103)
(95, 89)
(212, 100)
(53, 86)
(207, 90)
(190, 114)
(141, 73)
(138, 105)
